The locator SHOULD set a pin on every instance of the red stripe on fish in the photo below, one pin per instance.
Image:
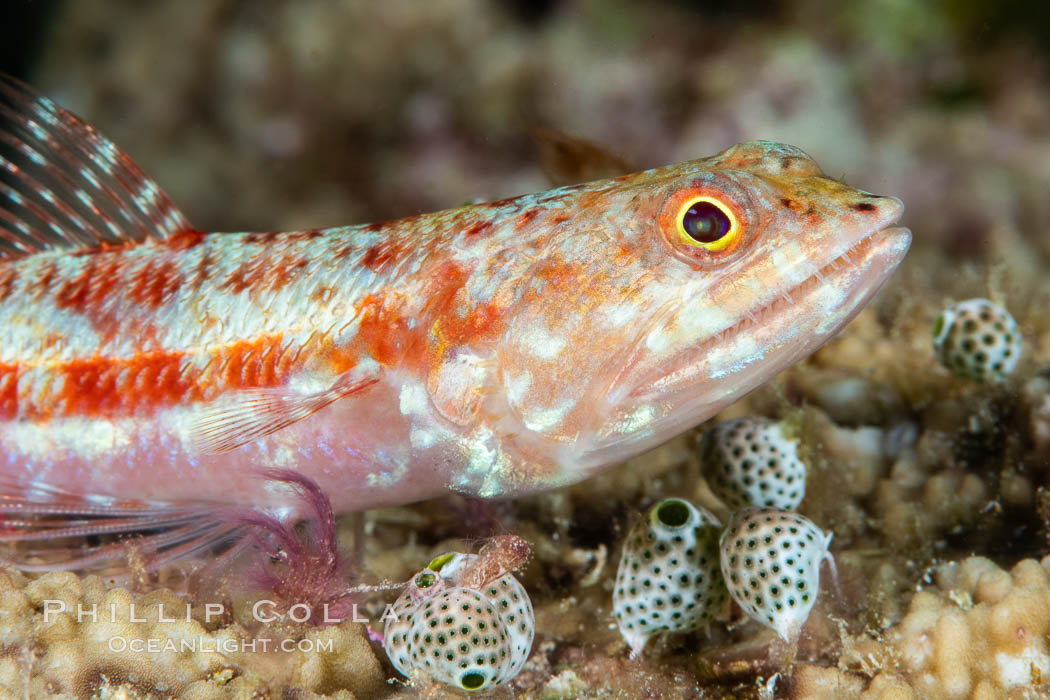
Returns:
(386, 253)
(8, 278)
(137, 386)
(185, 240)
(106, 387)
(264, 362)
(8, 392)
(478, 228)
(385, 334)
(526, 218)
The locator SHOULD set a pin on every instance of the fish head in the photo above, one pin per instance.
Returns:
(680, 289)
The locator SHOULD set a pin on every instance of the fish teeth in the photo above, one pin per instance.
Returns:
(978, 340)
(771, 563)
(751, 462)
(668, 579)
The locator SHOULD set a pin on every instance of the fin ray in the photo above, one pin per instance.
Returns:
(88, 155)
(160, 533)
(256, 413)
(31, 530)
(34, 186)
(567, 160)
(48, 528)
(64, 185)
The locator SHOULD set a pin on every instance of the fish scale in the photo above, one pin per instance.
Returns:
(493, 350)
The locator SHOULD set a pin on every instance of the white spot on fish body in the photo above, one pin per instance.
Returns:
(422, 438)
(385, 477)
(658, 340)
(830, 296)
(622, 314)
(703, 322)
(734, 356)
(488, 462)
(782, 259)
(756, 287)
(517, 387)
(547, 418)
(284, 458)
(90, 438)
(412, 399)
(543, 344)
(639, 418)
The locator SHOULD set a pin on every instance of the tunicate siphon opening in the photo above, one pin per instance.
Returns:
(938, 326)
(941, 326)
(472, 680)
(673, 512)
(440, 561)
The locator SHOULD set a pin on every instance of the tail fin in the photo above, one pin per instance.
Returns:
(64, 185)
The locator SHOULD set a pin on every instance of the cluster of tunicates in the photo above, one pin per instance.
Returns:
(680, 566)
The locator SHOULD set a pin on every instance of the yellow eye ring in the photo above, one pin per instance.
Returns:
(705, 222)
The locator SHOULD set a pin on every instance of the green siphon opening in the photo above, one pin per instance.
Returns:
(472, 680)
(440, 561)
(938, 326)
(425, 580)
(673, 512)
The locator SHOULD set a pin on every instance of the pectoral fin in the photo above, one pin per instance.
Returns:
(248, 415)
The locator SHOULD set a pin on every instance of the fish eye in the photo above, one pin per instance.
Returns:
(704, 222)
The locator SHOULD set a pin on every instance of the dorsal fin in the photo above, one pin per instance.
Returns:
(569, 160)
(64, 185)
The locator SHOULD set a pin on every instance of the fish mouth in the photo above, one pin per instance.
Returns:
(690, 388)
(862, 268)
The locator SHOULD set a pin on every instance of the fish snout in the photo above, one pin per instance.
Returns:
(880, 211)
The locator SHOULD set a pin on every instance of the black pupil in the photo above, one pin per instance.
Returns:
(705, 223)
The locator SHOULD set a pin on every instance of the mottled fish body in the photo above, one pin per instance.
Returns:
(493, 350)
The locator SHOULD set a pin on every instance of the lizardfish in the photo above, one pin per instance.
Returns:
(496, 349)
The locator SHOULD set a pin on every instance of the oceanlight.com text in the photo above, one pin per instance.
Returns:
(154, 645)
